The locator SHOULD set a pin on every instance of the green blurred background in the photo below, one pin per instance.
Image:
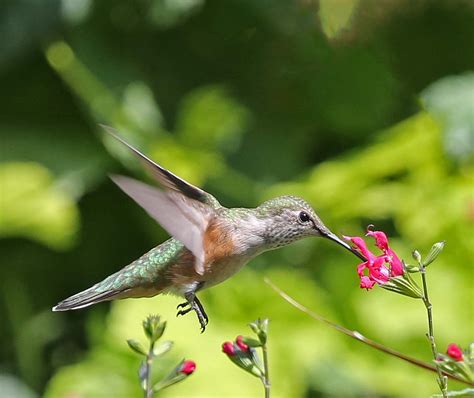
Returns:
(364, 108)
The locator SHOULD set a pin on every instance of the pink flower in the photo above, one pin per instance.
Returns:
(366, 282)
(228, 348)
(396, 265)
(376, 266)
(187, 367)
(244, 347)
(455, 352)
(361, 246)
(381, 241)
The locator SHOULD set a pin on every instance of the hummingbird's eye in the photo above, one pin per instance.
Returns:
(304, 217)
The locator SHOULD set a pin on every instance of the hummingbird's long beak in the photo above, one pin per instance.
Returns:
(339, 241)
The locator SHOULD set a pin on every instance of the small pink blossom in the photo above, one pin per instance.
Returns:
(396, 265)
(228, 348)
(187, 367)
(375, 268)
(455, 352)
(381, 240)
(366, 282)
(378, 272)
(361, 246)
(239, 341)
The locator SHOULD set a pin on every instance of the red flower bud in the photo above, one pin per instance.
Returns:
(455, 352)
(228, 348)
(187, 367)
(244, 347)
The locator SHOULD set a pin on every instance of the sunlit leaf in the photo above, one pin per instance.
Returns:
(140, 106)
(33, 207)
(209, 117)
(451, 100)
(336, 15)
(166, 13)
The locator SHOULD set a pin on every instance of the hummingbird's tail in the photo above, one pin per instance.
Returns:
(86, 298)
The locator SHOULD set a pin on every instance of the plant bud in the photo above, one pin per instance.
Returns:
(416, 256)
(436, 249)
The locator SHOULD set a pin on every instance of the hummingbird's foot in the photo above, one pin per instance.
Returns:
(201, 314)
(194, 304)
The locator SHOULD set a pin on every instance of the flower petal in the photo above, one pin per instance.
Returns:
(361, 246)
(378, 272)
(228, 348)
(239, 341)
(366, 283)
(187, 367)
(455, 352)
(361, 268)
(396, 265)
(381, 240)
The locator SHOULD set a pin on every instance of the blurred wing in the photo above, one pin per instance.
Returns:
(184, 218)
(165, 177)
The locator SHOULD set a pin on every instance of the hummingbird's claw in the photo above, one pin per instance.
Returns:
(185, 311)
(194, 304)
(201, 314)
(182, 305)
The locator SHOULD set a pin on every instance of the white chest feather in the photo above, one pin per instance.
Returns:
(248, 241)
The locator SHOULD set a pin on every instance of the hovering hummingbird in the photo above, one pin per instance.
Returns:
(209, 243)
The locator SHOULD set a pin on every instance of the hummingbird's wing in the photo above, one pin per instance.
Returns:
(184, 218)
(183, 209)
(165, 177)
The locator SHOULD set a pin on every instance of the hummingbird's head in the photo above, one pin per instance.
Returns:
(290, 218)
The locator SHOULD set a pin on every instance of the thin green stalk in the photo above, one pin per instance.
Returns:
(148, 388)
(359, 337)
(266, 376)
(442, 380)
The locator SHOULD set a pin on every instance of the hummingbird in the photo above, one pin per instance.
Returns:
(209, 242)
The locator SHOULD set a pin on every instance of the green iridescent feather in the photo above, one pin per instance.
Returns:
(147, 271)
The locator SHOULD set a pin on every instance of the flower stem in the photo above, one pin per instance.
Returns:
(148, 388)
(266, 376)
(442, 380)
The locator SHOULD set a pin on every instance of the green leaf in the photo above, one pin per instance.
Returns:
(166, 14)
(416, 256)
(136, 346)
(251, 342)
(140, 107)
(163, 348)
(260, 327)
(153, 328)
(32, 206)
(254, 327)
(245, 361)
(436, 249)
(467, 392)
(404, 285)
(169, 381)
(450, 101)
(175, 376)
(336, 15)
(412, 268)
(159, 330)
(209, 117)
